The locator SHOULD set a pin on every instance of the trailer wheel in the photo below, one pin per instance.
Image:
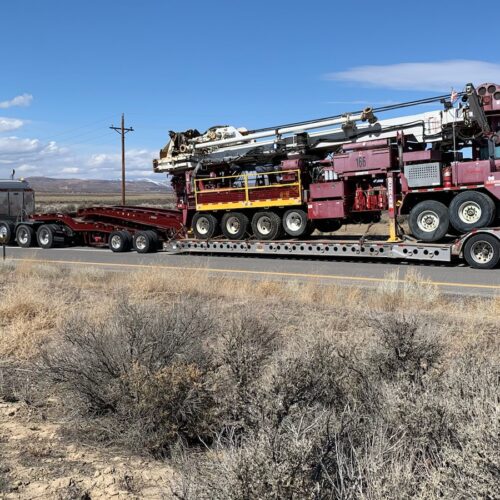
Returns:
(25, 235)
(155, 240)
(429, 220)
(6, 229)
(205, 226)
(482, 251)
(144, 242)
(120, 241)
(47, 237)
(234, 225)
(327, 225)
(296, 223)
(471, 210)
(267, 226)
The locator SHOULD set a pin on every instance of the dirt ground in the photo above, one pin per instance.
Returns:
(38, 462)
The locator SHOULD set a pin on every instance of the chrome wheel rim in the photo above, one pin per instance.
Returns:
(294, 221)
(428, 221)
(233, 225)
(44, 237)
(470, 212)
(264, 225)
(22, 236)
(140, 242)
(116, 241)
(203, 225)
(482, 252)
(3, 232)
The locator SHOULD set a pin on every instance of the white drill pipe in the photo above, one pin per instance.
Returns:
(279, 131)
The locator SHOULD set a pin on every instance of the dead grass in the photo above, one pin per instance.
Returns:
(295, 387)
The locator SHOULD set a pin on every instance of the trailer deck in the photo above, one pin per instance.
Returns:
(409, 249)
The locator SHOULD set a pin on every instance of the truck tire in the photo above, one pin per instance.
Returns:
(327, 225)
(482, 251)
(205, 226)
(120, 241)
(429, 220)
(47, 236)
(144, 242)
(267, 226)
(155, 240)
(6, 230)
(296, 223)
(234, 225)
(471, 210)
(25, 235)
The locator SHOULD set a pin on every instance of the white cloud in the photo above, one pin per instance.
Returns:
(7, 124)
(26, 168)
(34, 157)
(432, 76)
(16, 146)
(70, 170)
(19, 100)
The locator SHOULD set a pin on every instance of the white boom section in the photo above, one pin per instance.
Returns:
(279, 131)
(426, 127)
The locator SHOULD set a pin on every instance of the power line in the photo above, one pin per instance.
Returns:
(69, 132)
(122, 131)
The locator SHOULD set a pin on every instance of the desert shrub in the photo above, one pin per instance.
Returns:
(318, 373)
(315, 408)
(309, 456)
(472, 464)
(244, 350)
(142, 371)
(406, 345)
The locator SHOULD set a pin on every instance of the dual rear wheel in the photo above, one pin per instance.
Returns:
(142, 241)
(431, 220)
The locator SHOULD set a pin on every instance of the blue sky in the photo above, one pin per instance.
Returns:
(69, 69)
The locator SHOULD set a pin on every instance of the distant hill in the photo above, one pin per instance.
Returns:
(78, 186)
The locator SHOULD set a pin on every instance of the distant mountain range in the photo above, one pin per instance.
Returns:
(78, 186)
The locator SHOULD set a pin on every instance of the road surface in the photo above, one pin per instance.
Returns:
(457, 279)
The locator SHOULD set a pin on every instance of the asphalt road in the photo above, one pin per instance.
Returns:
(450, 278)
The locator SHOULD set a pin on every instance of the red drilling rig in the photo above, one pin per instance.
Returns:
(441, 168)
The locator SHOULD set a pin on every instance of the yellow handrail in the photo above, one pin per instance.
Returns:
(246, 187)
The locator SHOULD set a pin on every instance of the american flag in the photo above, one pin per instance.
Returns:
(454, 96)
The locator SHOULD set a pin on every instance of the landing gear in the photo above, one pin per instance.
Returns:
(234, 225)
(471, 210)
(429, 220)
(267, 226)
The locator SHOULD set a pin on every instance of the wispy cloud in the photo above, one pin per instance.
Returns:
(20, 100)
(432, 76)
(7, 124)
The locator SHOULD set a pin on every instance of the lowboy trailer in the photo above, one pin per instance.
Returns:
(145, 230)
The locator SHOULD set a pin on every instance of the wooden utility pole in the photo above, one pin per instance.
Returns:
(122, 130)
